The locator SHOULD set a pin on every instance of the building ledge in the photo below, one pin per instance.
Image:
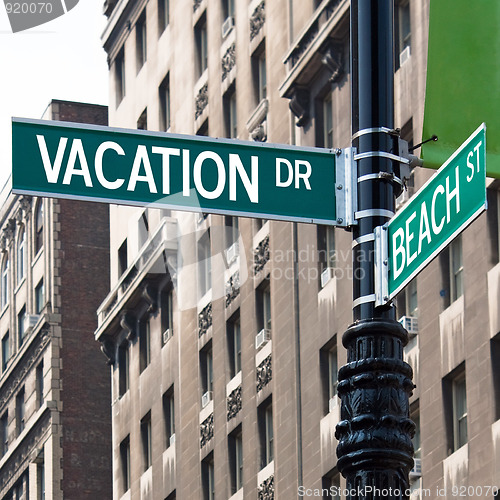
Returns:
(305, 51)
(148, 261)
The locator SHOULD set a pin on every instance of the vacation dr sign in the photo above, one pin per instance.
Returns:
(135, 167)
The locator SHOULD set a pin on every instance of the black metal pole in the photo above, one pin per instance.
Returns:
(375, 449)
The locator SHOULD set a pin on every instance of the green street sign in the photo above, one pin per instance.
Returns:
(437, 213)
(221, 176)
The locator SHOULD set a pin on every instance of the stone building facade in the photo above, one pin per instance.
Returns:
(224, 334)
(54, 389)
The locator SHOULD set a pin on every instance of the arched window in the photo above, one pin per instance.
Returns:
(39, 226)
(21, 255)
(4, 296)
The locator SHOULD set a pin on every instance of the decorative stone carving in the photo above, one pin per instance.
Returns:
(149, 294)
(127, 322)
(205, 319)
(196, 4)
(257, 20)
(299, 105)
(233, 403)
(333, 59)
(228, 61)
(261, 255)
(206, 430)
(259, 133)
(9, 229)
(264, 373)
(201, 100)
(232, 287)
(108, 348)
(266, 489)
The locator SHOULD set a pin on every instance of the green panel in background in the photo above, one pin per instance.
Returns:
(463, 78)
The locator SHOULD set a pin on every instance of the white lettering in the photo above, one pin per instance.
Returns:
(165, 162)
(409, 236)
(221, 175)
(279, 181)
(304, 176)
(52, 171)
(98, 164)
(398, 250)
(186, 186)
(436, 228)
(425, 233)
(77, 152)
(453, 194)
(141, 157)
(251, 186)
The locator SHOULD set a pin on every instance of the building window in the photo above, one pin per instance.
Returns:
(264, 307)
(169, 416)
(144, 343)
(200, 35)
(163, 15)
(207, 372)
(266, 431)
(141, 41)
(20, 411)
(459, 411)
(415, 416)
(39, 385)
(329, 374)
(456, 269)
(331, 485)
(231, 235)
(122, 258)
(235, 442)
(123, 368)
(204, 264)
(227, 8)
(328, 121)
(234, 345)
(495, 369)
(327, 256)
(5, 281)
(120, 76)
(41, 479)
(5, 351)
(164, 94)
(208, 478)
(167, 315)
(203, 130)
(4, 433)
(402, 29)
(142, 122)
(147, 456)
(230, 116)
(39, 297)
(259, 73)
(21, 325)
(21, 255)
(39, 226)
(125, 463)
(407, 300)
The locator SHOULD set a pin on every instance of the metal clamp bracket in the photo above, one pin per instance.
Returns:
(381, 175)
(346, 189)
(381, 255)
(375, 130)
(381, 154)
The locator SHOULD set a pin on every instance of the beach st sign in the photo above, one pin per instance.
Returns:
(221, 176)
(435, 215)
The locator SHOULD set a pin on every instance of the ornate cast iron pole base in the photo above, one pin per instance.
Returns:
(375, 449)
